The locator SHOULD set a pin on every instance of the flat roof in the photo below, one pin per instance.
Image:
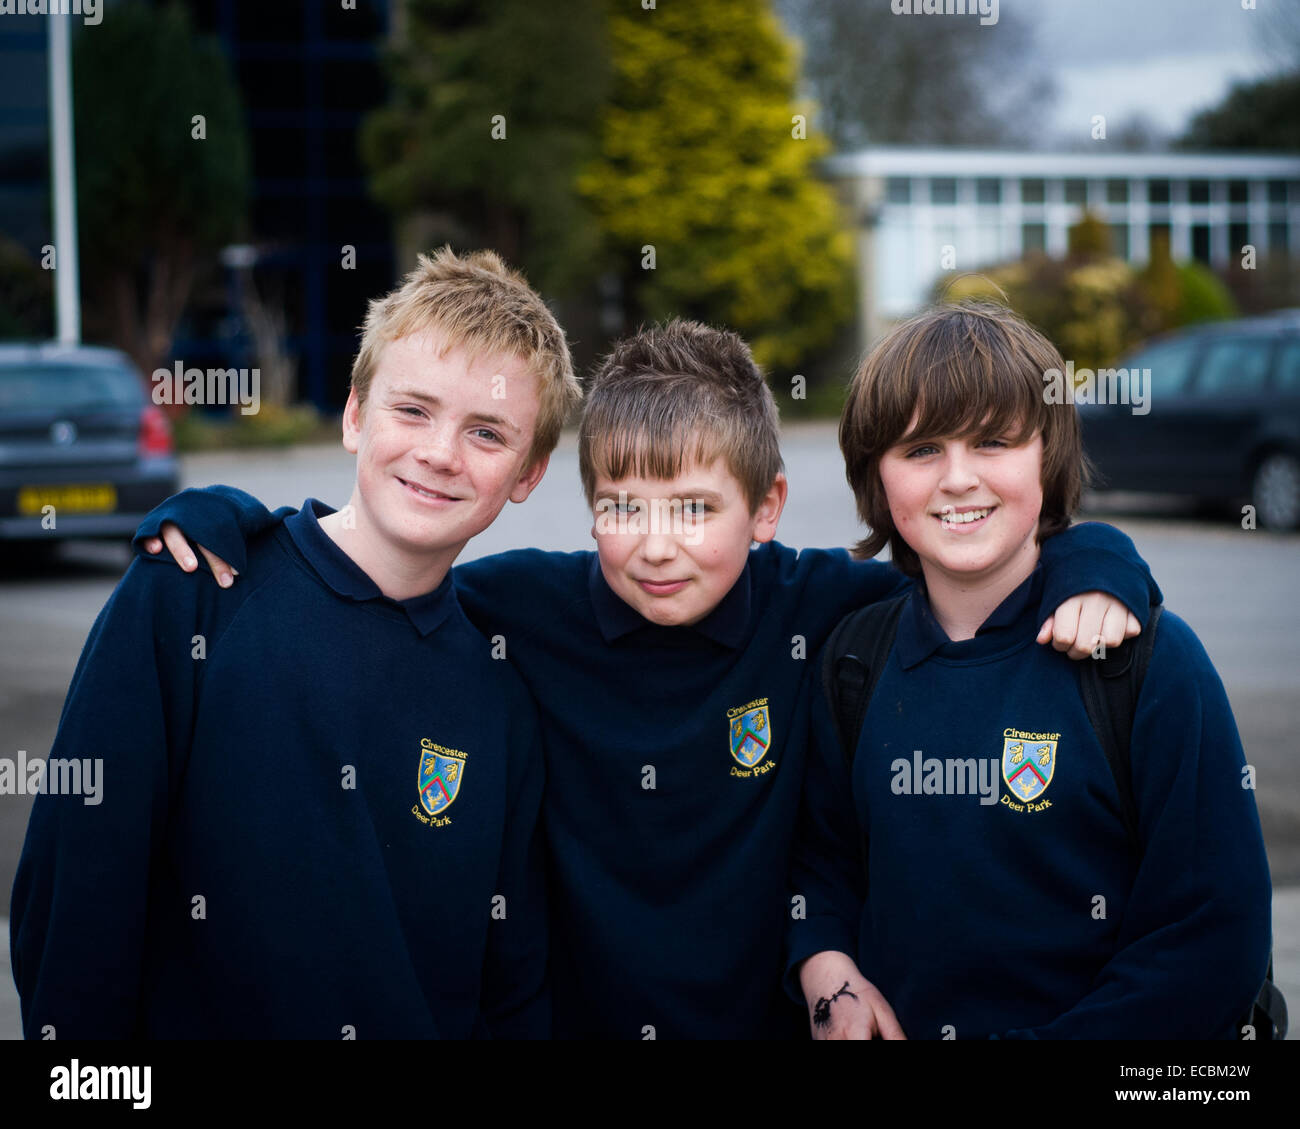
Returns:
(902, 160)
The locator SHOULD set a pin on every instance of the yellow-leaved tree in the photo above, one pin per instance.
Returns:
(705, 185)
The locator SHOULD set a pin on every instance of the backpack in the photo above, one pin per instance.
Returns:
(859, 647)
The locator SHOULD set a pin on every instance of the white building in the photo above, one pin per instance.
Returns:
(922, 213)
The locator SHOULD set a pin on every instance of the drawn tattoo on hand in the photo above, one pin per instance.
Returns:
(822, 1009)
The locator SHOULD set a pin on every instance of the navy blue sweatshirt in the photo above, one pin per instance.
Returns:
(314, 799)
(675, 761)
(1003, 897)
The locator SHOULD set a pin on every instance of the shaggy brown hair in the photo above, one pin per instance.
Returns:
(974, 370)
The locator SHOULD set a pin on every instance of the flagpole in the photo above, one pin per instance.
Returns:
(67, 291)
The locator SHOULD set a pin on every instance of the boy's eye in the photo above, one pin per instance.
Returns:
(410, 411)
(993, 443)
(696, 508)
(922, 451)
(487, 433)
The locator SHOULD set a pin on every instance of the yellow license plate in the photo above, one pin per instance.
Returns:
(96, 498)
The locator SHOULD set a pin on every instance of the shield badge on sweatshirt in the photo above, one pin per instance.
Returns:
(751, 736)
(439, 778)
(1028, 767)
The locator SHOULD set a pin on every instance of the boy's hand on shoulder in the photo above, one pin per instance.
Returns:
(842, 1003)
(1083, 622)
(179, 548)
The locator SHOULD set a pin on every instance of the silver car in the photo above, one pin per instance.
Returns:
(83, 451)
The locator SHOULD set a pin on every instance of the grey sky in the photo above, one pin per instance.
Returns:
(1164, 58)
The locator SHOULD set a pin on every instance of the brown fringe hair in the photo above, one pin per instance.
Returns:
(677, 393)
(974, 370)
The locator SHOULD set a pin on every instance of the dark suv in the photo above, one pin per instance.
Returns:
(83, 453)
(1223, 421)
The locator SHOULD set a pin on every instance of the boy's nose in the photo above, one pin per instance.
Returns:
(658, 547)
(959, 473)
(440, 450)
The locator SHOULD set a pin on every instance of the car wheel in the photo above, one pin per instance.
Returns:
(1276, 491)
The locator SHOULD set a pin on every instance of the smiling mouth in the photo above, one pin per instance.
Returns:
(662, 587)
(424, 492)
(962, 520)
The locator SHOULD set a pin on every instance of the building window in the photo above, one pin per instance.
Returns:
(1278, 243)
(1158, 241)
(1033, 191)
(1119, 240)
(1238, 192)
(1238, 237)
(898, 190)
(1201, 243)
(1117, 192)
(1198, 191)
(988, 190)
(943, 190)
(1277, 191)
(1033, 238)
(1158, 192)
(1076, 191)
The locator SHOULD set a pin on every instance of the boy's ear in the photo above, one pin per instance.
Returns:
(769, 510)
(529, 479)
(352, 423)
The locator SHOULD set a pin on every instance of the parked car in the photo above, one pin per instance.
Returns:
(1223, 419)
(78, 433)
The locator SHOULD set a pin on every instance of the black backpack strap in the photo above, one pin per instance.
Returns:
(1110, 688)
(855, 655)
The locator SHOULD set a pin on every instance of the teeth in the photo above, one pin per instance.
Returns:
(422, 490)
(963, 519)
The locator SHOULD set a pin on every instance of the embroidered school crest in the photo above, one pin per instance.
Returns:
(750, 728)
(1028, 766)
(440, 776)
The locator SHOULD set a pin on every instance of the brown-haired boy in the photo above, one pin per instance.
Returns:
(670, 672)
(1003, 894)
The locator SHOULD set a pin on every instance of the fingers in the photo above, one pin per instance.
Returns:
(1082, 623)
(178, 546)
(886, 1021)
(180, 550)
(1103, 620)
(1065, 629)
(223, 572)
(1112, 629)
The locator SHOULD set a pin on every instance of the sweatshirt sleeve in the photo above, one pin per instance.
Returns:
(81, 894)
(516, 1000)
(222, 519)
(826, 868)
(1193, 947)
(1095, 557)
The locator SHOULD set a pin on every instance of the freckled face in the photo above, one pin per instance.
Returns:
(442, 442)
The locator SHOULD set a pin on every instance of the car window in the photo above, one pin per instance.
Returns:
(1170, 363)
(66, 388)
(1288, 366)
(1234, 365)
